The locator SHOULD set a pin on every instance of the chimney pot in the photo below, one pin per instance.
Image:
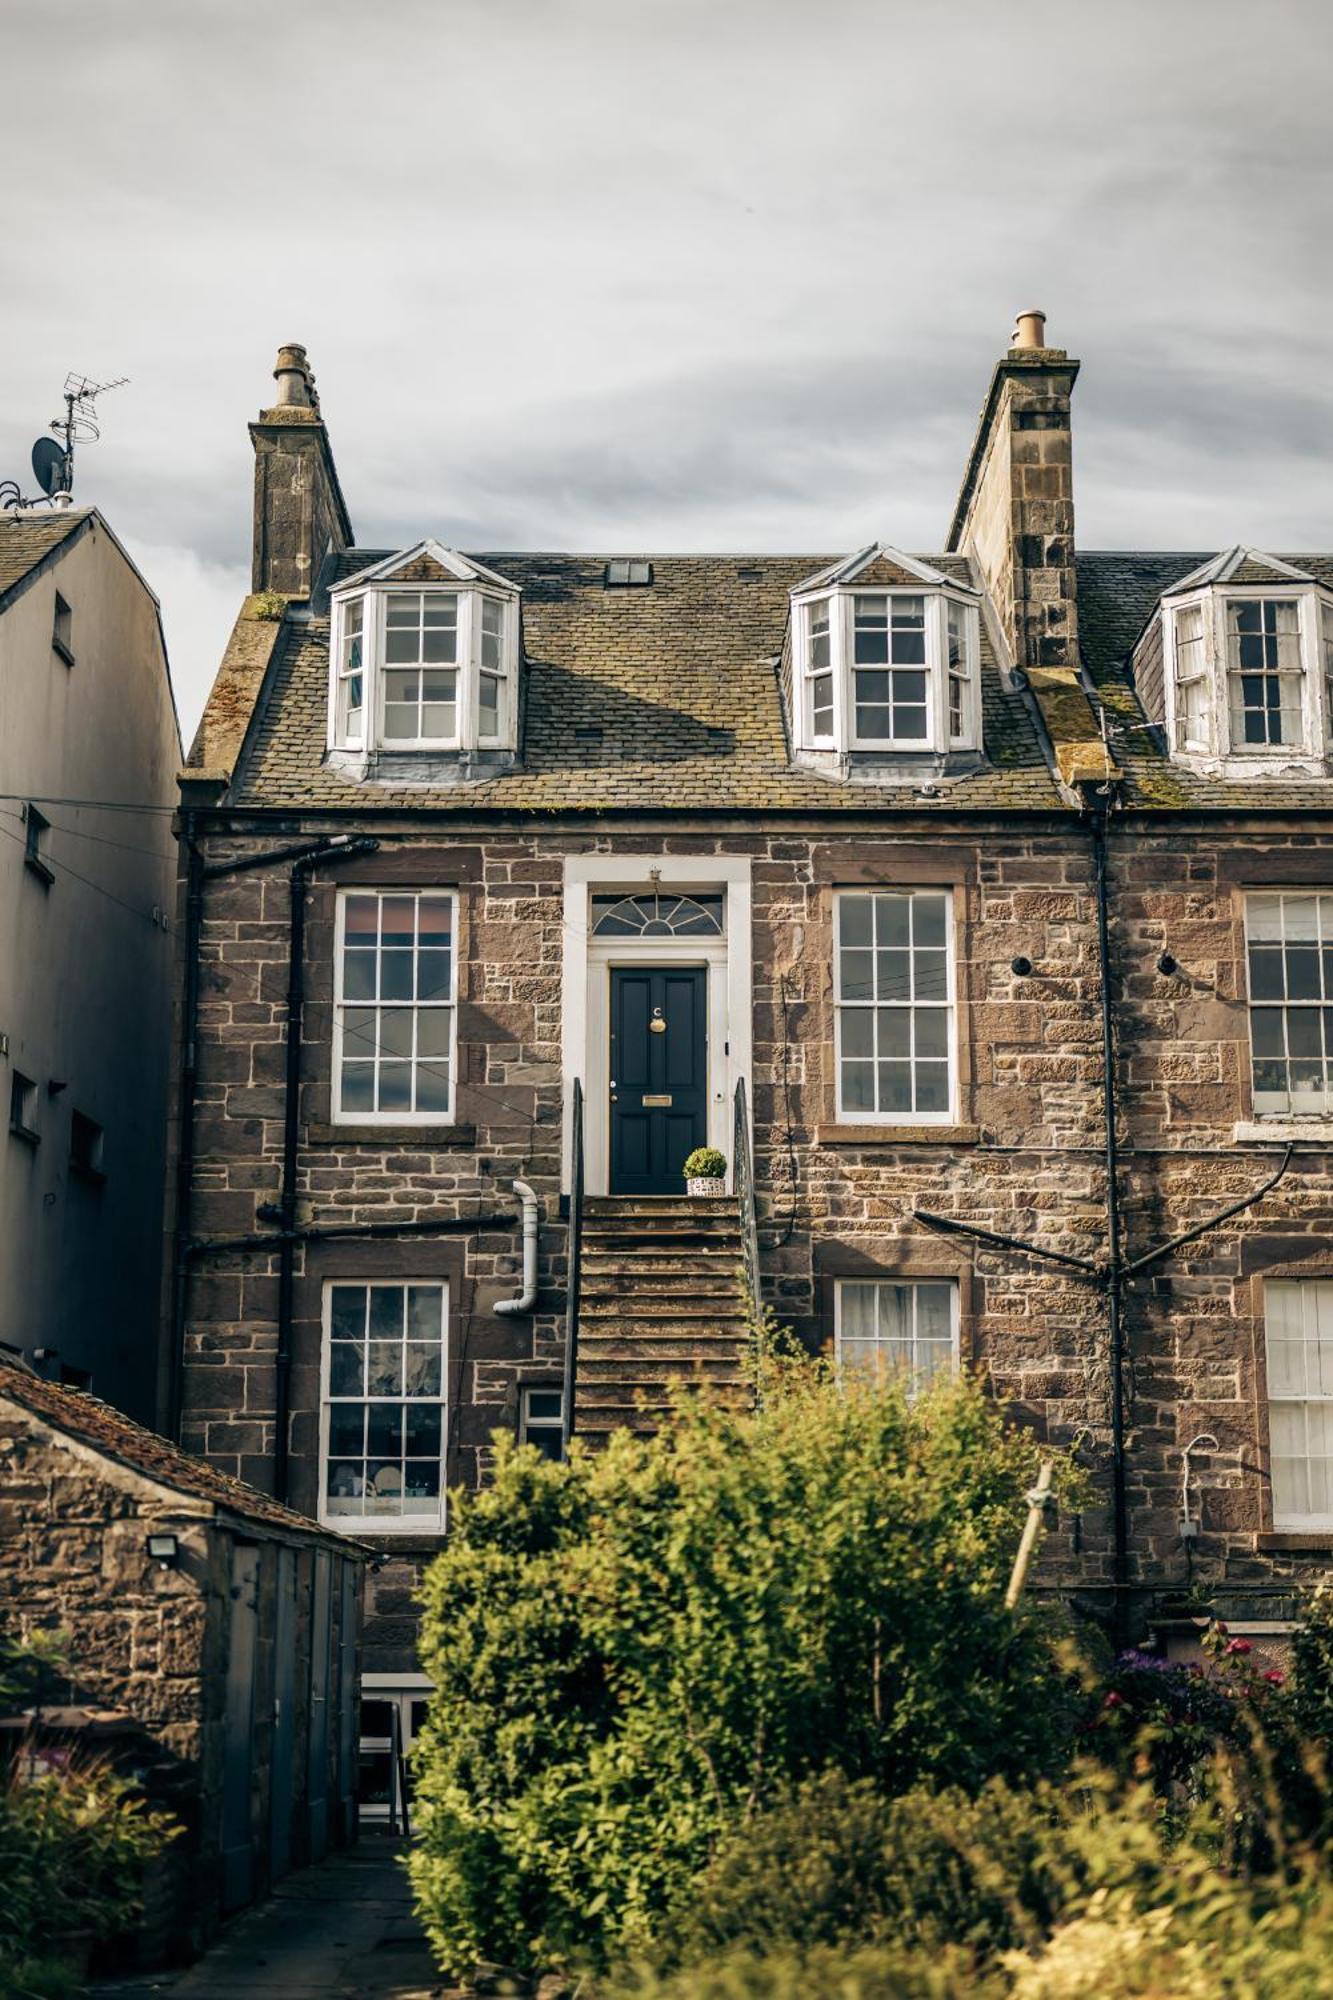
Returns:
(292, 373)
(1029, 330)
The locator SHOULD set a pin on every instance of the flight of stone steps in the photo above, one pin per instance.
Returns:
(662, 1302)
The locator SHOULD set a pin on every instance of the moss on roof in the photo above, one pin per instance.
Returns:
(661, 698)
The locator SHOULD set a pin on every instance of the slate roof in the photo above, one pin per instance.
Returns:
(94, 1423)
(1117, 594)
(656, 698)
(27, 539)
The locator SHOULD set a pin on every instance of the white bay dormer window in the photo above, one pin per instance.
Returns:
(886, 657)
(425, 657)
(1247, 654)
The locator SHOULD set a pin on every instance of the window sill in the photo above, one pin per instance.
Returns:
(1283, 1131)
(91, 1176)
(62, 652)
(1312, 1540)
(897, 1135)
(26, 1133)
(45, 875)
(352, 1134)
(411, 1539)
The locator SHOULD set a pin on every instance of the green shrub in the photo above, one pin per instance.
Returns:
(705, 1163)
(839, 1862)
(73, 1849)
(636, 1652)
(73, 1846)
(864, 1972)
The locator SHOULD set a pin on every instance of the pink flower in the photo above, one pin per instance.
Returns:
(1275, 1678)
(1114, 1700)
(1239, 1646)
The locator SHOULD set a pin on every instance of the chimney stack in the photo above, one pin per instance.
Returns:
(299, 512)
(1015, 520)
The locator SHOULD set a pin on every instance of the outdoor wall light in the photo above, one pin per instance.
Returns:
(1020, 967)
(164, 1550)
(1166, 965)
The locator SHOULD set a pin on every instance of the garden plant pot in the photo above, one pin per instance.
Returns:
(706, 1184)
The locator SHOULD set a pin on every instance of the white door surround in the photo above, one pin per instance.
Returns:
(586, 1021)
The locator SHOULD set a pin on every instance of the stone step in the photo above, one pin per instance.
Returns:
(665, 1257)
(658, 1236)
(649, 1341)
(607, 1404)
(600, 1205)
(648, 1305)
(609, 1374)
(665, 1275)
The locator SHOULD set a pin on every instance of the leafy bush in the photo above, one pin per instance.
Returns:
(73, 1848)
(705, 1163)
(838, 1862)
(638, 1651)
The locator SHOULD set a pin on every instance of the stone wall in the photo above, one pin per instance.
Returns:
(153, 1641)
(1025, 1158)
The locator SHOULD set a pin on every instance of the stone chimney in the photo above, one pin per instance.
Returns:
(299, 509)
(1015, 519)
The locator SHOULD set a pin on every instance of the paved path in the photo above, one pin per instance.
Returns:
(341, 1931)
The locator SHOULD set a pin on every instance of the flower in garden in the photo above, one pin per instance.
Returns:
(1239, 1646)
(1275, 1677)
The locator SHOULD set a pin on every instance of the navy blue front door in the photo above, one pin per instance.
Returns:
(659, 1075)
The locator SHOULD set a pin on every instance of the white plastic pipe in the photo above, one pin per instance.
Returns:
(527, 1298)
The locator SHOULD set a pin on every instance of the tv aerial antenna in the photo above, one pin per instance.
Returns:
(53, 456)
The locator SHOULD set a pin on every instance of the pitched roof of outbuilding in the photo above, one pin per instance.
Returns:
(27, 539)
(1118, 592)
(657, 698)
(92, 1422)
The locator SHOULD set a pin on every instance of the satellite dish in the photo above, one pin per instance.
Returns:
(50, 466)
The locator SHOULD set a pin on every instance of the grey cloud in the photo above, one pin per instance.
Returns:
(616, 272)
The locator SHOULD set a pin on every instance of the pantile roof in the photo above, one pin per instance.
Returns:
(94, 1423)
(657, 698)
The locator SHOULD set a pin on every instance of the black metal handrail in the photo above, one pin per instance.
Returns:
(743, 1153)
(575, 1254)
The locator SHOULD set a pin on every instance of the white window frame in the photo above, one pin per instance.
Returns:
(382, 1524)
(343, 674)
(339, 1116)
(468, 667)
(884, 1283)
(948, 1006)
(1216, 744)
(1310, 1290)
(1285, 1114)
(527, 1422)
(841, 606)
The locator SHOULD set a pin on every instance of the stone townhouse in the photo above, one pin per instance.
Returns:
(511, 877)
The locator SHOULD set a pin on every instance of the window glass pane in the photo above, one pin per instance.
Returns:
(384, 1421)
(1289, 958)
(887, 1327)
(893, 1003)
(397, 950)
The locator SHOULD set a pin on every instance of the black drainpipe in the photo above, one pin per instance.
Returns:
(1114, 1278)
(198, 874)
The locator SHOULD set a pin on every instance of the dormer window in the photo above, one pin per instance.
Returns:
(1248, 666)
(892, 668)
(425, 652)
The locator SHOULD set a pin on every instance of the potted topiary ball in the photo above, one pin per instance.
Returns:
(705, 1171)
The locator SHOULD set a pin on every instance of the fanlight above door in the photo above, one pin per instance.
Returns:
(657, 915)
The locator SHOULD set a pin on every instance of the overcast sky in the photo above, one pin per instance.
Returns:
(667, 274)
